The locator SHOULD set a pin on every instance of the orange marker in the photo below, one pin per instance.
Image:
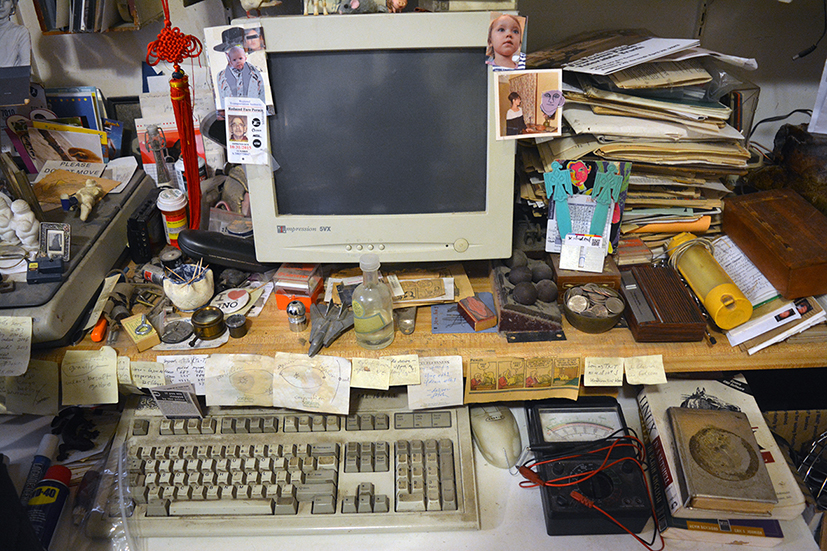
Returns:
(99, 331)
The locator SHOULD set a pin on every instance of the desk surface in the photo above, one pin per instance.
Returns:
(511, 516)
(269, 333)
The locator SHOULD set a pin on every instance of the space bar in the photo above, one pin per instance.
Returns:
(222, 507)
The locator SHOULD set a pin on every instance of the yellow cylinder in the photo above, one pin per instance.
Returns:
(720, 296)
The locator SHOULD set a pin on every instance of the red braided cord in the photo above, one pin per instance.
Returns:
(172, 45)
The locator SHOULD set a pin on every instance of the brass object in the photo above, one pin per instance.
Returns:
(208, 323)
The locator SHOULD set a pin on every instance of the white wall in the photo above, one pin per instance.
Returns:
(768, 30)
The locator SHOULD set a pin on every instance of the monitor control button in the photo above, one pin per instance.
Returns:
(358, 247)
(370, 247)
(381, 247)
(348, 247)
(460, 245)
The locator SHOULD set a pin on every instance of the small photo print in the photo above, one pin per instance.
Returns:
(506, 49)
(55, 240)
(529, 103)
(238, 63)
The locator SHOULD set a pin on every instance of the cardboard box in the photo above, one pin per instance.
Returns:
(784, 236)
(798, 427)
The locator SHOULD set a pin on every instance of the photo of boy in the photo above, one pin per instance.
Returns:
(505, 42)
(237, 62)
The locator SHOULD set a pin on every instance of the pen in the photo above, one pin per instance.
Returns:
(43, 458)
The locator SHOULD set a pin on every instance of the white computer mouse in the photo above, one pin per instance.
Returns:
(497, 435)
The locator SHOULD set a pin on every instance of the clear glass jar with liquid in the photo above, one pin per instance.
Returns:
(372, 307)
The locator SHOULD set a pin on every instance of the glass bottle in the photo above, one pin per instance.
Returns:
(372, 307)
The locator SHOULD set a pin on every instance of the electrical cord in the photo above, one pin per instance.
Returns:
(808, 51)
(607, 446)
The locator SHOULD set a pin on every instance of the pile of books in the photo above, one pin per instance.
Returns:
(651, 101)
(714, 518)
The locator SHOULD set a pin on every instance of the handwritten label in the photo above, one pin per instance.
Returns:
(371, 373)
(440, 383)
(147, 374)
(15, 344)
(603, 372)
(36, 391)
(645, 370)
(404, 369)
(89, 377)
(320, 383)
(185, 369)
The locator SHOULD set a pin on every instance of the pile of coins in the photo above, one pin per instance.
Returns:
(594, 301)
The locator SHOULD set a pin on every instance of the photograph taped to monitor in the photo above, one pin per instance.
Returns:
(529, 103)
(55, 240)
(238, 63)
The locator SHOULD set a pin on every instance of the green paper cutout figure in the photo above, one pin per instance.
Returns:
(606, 190)
(558, 190)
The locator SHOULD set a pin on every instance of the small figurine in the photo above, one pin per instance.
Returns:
(250, 5)
(25, 224)
(87, 197)
(361, 6)
(315, 3)
(7, 234)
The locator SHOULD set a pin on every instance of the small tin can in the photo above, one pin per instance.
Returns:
(152, 273)
(208, 323)
(296, 316)
(237, 323)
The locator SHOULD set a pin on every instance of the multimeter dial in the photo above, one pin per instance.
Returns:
(578, 424)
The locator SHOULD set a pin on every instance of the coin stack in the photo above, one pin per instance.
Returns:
(594, 301)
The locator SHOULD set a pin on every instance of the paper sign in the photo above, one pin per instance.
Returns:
(89, 377)
(603, 372)
(15, 344)
(147, 374)
(185, 369)
(404, 369)
(441, 383)
(124, 368)
(645, 370)
(320, 383)
(36, 391)
(370, 373)
(239, 380)
(582, 252)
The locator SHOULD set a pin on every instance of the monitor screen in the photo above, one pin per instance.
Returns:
(383, 140)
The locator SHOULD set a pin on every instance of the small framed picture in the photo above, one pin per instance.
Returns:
(55, 240)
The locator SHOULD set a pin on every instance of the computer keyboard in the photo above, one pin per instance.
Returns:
(258, 471)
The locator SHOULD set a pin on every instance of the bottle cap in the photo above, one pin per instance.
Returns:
(369, 262)
(171, 200)
(59, 473)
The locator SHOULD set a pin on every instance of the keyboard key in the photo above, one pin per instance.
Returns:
(222, 507)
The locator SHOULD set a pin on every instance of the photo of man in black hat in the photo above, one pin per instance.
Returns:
(239, 78)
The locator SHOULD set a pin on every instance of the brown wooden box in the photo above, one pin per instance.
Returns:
(566, 279)
(784, 236)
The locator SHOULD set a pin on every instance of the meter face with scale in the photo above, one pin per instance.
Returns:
(554, 424)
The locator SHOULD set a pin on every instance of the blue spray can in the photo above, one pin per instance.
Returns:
(46, 504)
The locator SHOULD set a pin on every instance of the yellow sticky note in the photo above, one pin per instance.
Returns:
(89, 377)
(15, 344)
(603, 372)
(645, 370)
(148, 374)
(370, 373)
(34, 392)
(404, 369)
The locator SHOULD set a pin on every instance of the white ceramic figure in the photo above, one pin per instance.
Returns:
(25, 223)
(7, 234)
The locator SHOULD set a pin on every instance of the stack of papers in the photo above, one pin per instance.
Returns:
(633, 97)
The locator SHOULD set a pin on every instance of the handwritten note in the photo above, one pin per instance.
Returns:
(185, 369)
(15, 344)
(645, 370)
(239, 380)
(404, 369)
(148, 374)
(36, 391)
(603, 372)
(89, 377)
(370, 373)
(441, 383)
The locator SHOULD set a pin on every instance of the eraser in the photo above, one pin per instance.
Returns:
(476, 313)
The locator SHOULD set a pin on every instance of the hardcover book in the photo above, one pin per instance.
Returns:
(720, 466)
(728, 393)
(754, 532)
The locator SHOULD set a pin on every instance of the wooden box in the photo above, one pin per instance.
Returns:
(784, 236)
(566, 279)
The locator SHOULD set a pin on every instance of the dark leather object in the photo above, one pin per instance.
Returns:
(220, 249)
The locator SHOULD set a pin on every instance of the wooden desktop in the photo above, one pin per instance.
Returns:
(269, 333)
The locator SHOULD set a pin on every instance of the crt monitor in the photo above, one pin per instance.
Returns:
(384, 141)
